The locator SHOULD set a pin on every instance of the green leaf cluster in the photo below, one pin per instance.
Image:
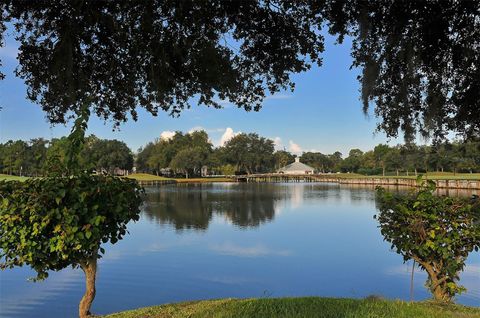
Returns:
(55, 222)
(437, 232)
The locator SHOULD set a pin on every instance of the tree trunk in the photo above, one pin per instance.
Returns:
(436, 284)
(383, 171)
(90, 269)
(416, 172)
(397, 172)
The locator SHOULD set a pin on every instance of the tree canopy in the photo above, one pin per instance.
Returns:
(159, 54)
(62, 219)
(40, 157)
(419, 60)
(250, 152)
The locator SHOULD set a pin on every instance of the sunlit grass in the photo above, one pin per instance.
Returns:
(438, 176)
(146, 177)
(302, 307)
(432, 176)
(151, 177)
(12, 178)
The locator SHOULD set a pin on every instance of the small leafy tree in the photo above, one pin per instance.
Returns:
(436, 232)
(62, 220)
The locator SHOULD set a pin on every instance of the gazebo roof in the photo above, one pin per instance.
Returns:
(296, 166)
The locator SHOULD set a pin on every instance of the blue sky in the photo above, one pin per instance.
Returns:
(323, 114)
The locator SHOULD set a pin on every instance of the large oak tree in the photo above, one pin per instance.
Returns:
(117, 55)
(419, 60)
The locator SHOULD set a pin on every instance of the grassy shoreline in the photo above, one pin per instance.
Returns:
(145, 177)
(431, 176)
(301, 307)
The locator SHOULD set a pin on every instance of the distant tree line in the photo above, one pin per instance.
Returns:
(39, 156)
(251, 153)
(411, 158)
(185, 154)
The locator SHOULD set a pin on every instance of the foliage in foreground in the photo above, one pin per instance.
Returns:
(418, 60)
(55, 222)
(436, 232)
(301, 307)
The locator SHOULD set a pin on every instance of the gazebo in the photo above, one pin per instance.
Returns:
(296, 168)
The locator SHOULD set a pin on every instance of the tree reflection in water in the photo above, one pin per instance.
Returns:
(192, 206)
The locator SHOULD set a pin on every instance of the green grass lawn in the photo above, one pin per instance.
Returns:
(432, 175)
(146, 177)
(306, 307)
(151, 177)
(440, 176)
(12, 178)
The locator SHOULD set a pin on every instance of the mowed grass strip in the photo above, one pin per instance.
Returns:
(431, 176)
(306, 307)
(12, 178)
(439, 176)
(151, 177)
(146, 177)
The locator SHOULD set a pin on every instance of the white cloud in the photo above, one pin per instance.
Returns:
(227, 135)
(167, 135)
(277, 141)
(196, 128)
(293, 147)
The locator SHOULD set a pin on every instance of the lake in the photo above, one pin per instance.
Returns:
(201, 241)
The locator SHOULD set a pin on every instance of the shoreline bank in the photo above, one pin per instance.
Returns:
(302, 307)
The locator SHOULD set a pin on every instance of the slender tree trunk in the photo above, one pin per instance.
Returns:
(383, 171)
(397, 172)
(90, 270)
(416, 172)
(411, 281)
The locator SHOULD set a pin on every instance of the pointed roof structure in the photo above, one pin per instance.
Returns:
(296, 168)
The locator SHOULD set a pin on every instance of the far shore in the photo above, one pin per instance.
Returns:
(444, 180)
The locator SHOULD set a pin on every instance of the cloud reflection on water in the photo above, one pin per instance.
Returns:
(258, 250)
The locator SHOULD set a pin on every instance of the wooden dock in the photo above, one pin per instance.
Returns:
(275, 177)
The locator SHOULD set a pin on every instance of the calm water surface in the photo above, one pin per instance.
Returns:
(236, 240)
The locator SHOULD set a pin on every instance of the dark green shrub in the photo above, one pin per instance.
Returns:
(437, 232)
(52, 223)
